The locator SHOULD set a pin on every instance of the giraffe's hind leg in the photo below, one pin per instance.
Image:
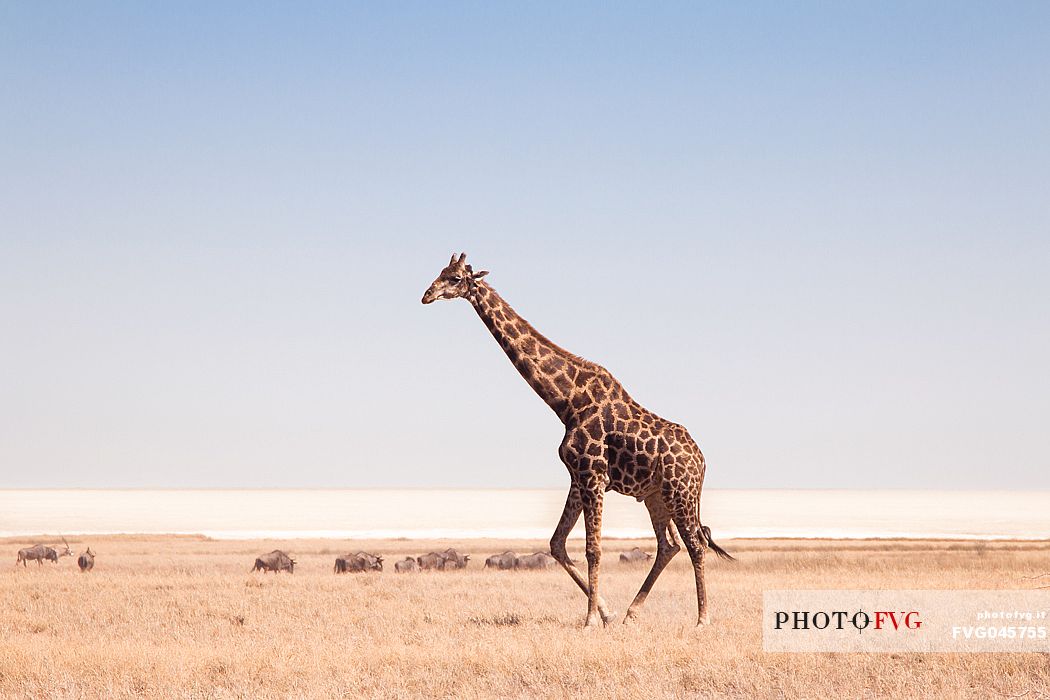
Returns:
(687, 519)
(667, 547)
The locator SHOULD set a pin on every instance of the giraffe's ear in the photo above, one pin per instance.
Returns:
(479, 275)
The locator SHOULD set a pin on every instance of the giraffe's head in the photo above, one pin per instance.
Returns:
(458, 279)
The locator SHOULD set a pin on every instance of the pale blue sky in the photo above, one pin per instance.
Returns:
(816, 234)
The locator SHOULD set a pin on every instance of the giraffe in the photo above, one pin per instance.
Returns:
(611, 443)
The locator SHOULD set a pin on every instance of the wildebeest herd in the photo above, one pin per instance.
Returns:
(356, 562)
(448, 560)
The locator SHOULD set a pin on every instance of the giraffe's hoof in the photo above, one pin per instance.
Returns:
(631, 616)
(608, 617)
(594, 622)
(704, 621)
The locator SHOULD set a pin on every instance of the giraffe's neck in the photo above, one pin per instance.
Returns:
(549, 369)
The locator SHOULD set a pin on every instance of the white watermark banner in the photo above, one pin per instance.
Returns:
(859, 621)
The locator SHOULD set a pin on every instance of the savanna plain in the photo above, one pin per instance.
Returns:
(182, 617)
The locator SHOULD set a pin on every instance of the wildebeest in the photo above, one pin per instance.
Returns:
(406, 565)
(86, 561)
(40, 552)
(635, 556)
(507, 560)
(275, 561)
(357, 562)
(455, 560)
(539, 560)
(431, 561)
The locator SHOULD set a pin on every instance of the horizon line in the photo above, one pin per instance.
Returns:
(495, 488)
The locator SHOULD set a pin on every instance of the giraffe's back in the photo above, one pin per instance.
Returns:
(645, 451)
(640, 450)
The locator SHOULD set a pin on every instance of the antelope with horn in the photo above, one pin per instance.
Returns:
(40, 552)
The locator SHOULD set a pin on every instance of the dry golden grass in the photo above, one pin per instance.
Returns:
(183, 617)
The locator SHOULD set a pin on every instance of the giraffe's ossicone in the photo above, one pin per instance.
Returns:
(611, 443)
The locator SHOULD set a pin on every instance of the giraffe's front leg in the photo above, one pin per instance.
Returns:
(592, 520)
(569, 516)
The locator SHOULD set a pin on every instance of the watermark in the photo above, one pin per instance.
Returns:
(922, 621)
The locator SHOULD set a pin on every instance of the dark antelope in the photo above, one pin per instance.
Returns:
(431, 561)
(86, 561)
(455, 560)
(507, 560)
(406, 565)
(635, 556)
(41, 552)
(275, 561)
(539, 560)
(361, 561)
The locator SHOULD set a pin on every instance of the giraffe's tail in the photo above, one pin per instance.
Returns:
(714, 547)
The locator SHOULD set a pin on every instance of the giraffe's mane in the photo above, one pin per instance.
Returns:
(540, 337)
(566, 354)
